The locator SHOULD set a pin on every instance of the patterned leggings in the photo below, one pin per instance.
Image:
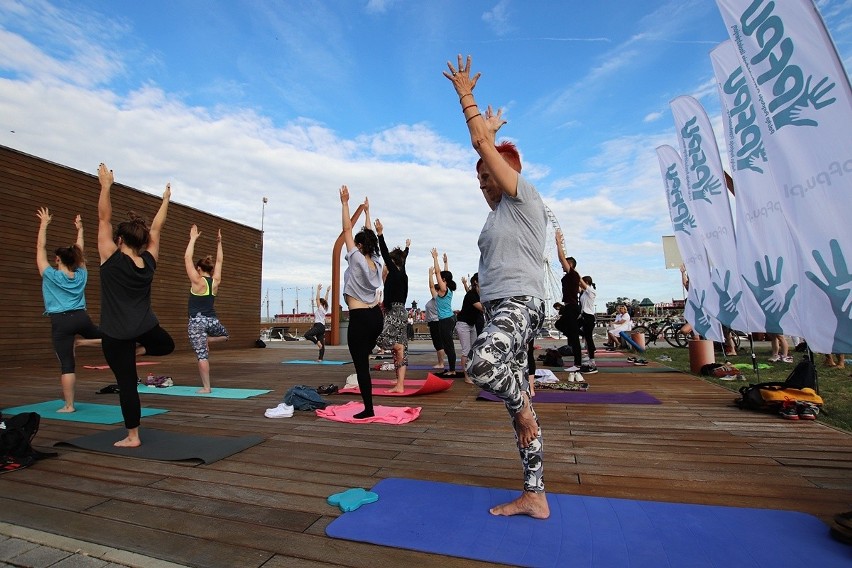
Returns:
(498, 364)
(395, 332)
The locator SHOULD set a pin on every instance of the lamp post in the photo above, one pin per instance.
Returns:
(263, 213)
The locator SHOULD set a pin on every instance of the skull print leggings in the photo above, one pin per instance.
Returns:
(498, 364)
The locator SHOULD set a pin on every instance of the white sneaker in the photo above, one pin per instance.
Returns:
(571, 369)
(280, 411)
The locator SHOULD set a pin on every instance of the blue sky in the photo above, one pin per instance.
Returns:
(236, 101)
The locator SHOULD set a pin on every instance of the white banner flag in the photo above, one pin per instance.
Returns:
(707, 196)
(804, 105)
(766, 255)
(690, 244)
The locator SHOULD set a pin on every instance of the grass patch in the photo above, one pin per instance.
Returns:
(835, 385)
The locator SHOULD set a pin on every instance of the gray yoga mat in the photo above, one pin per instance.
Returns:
(165, 446)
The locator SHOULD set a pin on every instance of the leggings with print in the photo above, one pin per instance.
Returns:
(498, 364)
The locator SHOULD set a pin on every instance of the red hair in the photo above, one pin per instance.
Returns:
(510, 154)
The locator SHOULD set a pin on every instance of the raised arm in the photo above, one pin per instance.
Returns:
(383, 247)
(367, 213)
(483, 129)
(81, 242)
(563, 260)
(220, 258)
(106, 243)
(446, 263)
(432, 282)
(319, 295)
(41, 240)
(442, 286)
(465, 284)
(407, 247)
(158, 222)
(188, 262)
(327, 293)
(347, 221)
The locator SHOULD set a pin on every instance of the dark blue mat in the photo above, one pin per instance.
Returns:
(453, 520)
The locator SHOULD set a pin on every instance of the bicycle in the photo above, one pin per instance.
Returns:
(667, 328)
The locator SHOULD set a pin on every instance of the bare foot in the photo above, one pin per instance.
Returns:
(396, 388)
(529, 503)
(128, 442)
(67, 408)
(204, 391)
(468, 381)
(525, 425)
(437, 366)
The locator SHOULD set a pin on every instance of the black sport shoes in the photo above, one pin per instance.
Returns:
(588, 369)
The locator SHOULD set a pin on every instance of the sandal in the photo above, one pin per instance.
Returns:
(327, 389)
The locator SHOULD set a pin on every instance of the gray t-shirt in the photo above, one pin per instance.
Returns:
(511, 247)
(359, 281)
(431, 310)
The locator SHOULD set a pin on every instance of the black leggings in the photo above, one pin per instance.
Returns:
(317, 334)
(64, 327)
(120, 355)
(365, 325)
(569, 324)
(446, 327)
(588, 331)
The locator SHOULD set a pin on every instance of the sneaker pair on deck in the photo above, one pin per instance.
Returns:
(799, 410)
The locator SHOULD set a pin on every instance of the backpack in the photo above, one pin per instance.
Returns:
(552, 358)
(771, 396)
(302, 397)
(16, 436)
(803, 376)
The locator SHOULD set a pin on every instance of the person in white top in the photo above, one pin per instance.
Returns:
(620, 323)
(317, 332)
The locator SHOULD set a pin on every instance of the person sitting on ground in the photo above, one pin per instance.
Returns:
(316, 333)
(204, 326)
(64, 291)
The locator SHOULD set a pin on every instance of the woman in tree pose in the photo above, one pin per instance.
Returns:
(511, 248)
(128, 261)
(317, 332)
(64, 292)
(361, 281)
(204, 326)
(394, 334)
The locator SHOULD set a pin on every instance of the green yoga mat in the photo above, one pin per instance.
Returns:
(191, 391)
(166, 446)
(86, 412)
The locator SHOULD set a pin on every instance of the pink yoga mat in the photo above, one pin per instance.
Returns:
(413, 387)
(384, 414)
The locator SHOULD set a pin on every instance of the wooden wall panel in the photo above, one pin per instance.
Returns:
(27, 182)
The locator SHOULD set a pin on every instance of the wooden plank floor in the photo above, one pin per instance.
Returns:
(266, 506)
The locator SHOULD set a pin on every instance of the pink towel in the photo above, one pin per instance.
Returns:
(384, 414)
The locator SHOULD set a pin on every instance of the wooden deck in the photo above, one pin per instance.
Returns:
(266, 506)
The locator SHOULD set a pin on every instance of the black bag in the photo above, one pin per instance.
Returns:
(552, 358)
(259, 343)
(802, 376)
(17, 436)
(751, 399)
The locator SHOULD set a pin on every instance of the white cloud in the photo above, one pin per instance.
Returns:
(497, 18)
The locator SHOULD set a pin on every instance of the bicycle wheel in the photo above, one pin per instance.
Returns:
(682, 339)
(669, 333)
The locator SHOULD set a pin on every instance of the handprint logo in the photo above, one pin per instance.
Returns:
(768, 292)
(838, 288)
(702, 321)
(802, 112)
(727, 305)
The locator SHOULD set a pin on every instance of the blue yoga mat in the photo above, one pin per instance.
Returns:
(308, 362)
(86, 412)
(191, 391)
(453, 520)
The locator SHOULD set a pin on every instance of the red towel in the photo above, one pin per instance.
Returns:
(384, 414)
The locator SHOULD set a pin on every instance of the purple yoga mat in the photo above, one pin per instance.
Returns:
(581, 397)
